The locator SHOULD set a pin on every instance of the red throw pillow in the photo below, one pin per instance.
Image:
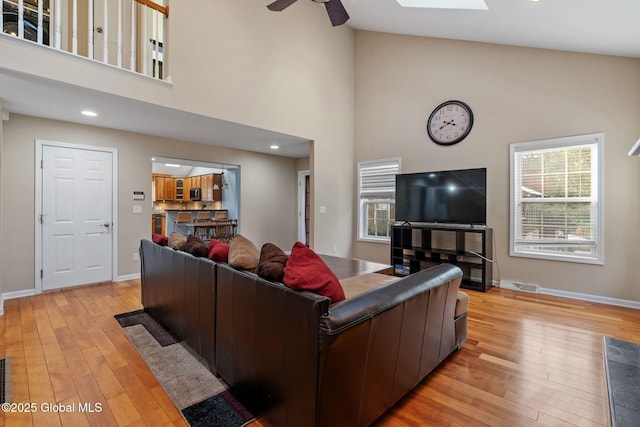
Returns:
(305, 270)
(160, 239)
(218, 251)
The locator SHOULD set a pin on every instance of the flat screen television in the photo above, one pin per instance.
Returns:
(449, 197)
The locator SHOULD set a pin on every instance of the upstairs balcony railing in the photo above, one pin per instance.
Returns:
(128, 34)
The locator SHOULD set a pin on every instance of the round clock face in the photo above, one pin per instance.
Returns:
(450, 122)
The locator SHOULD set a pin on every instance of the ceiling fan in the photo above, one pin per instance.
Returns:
(337, 13)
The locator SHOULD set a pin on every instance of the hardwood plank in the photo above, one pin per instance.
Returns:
(89, 393)
(163, 399)
(124, 410)
(152, 412)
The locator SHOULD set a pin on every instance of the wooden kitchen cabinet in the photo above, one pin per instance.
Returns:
(187, 188)
(179, 194)
(158, 225)
(217, 182)
(206, 182)
(209, 191)
(168, 188)
(164, 187)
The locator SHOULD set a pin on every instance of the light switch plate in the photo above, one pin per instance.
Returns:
(137, 209)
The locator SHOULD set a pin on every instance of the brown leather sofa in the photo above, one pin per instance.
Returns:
(291, 355)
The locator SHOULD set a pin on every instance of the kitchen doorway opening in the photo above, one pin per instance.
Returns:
(181, 186)
(304, 206)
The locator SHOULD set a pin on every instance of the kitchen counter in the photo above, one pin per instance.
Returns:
(172, 215)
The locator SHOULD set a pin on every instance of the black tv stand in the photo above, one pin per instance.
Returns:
(418, 247)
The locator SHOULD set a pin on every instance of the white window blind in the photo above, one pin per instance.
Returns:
(376, 190)
(556, 201)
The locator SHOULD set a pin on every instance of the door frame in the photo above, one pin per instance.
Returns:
(39, 145)
(301, 204)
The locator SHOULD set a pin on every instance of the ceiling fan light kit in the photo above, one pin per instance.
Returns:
(336, 11)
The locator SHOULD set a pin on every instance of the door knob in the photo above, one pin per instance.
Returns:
(106, 224)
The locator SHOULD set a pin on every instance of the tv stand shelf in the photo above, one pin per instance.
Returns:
(418, 247)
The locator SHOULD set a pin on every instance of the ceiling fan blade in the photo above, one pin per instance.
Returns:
(337, 13)
(280, 5)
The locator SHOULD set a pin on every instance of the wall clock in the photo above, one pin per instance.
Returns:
(450, 122)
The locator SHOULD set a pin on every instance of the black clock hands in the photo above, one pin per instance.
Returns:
(446, 124)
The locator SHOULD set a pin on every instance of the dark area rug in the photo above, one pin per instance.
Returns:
(622, 367)
(141, 317)
(203, 399)
(214, 412)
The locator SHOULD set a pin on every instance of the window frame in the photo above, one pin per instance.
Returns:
(364, 198)
(597, 184)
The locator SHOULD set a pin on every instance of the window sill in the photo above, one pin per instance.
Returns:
(561, 258)
(374, 239)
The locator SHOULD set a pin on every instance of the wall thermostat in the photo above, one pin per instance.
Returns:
(138, 195)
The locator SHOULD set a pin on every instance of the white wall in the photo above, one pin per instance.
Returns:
(268, 190)
(517, 94)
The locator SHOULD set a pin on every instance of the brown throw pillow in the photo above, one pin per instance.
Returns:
(271, 263)
(196, 247)
(243, 254)
(177, 241)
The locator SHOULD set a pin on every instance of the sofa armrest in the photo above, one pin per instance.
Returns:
(378, 345)
(349, 312)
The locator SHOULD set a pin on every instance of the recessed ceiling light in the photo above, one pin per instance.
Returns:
(89, 113)
(171, 165)
(274, 147)
(445, 4)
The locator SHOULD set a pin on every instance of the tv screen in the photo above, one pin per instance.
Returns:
(457, 197)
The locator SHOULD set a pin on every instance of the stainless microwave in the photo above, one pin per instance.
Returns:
(195, 194)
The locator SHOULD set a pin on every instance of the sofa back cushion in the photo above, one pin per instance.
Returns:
(267, 345)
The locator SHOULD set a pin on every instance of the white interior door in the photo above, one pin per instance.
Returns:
(77, 215)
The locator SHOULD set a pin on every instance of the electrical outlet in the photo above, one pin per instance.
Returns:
(136, 256)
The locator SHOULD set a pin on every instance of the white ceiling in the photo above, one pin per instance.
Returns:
(608, 27)
(590, 26)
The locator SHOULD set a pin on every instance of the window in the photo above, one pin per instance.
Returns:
(556, 199)
(377, 191)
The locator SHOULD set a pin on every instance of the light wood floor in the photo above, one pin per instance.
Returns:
(529, 360)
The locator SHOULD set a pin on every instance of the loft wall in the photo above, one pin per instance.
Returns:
(517, 94)
(289, 72)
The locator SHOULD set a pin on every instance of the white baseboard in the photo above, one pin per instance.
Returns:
(583, 297)
(127, 277)
(16, 294)
(591, 298)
